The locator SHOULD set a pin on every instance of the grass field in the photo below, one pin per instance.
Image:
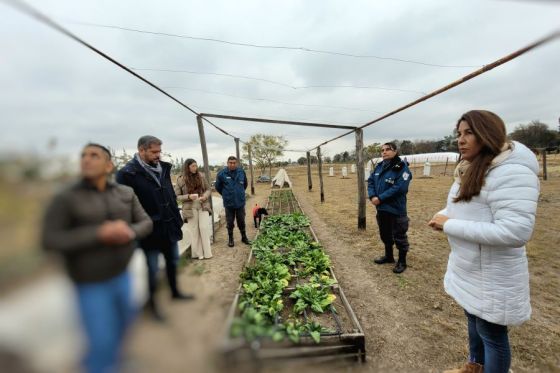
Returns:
(409, 321)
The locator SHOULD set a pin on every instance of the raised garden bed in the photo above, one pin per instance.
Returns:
(289, 305)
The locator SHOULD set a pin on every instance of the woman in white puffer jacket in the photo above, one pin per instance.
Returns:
(489, 218)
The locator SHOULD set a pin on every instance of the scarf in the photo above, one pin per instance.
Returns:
(154, 171)
(463, 165)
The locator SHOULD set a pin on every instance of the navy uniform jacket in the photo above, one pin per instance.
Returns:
(231, 185)
(159, 202)
(389, 182)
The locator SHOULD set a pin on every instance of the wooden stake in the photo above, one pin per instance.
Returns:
(206, 168)
(309, 181)
(320, 163)
(361, 179)
(237, 150)
(544, 171)
(251, 169)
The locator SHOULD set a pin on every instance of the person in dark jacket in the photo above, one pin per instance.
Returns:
(94, 225)
(387, 189)
(231, 183)
(151, 180)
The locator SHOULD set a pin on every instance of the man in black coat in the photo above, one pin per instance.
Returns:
(151, 180)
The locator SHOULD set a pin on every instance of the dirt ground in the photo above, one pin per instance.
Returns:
(189, 340)
(409, 321)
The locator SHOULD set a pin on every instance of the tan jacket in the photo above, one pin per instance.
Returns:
(70, 228)
(188, 205)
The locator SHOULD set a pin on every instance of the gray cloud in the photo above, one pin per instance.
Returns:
(53, 87)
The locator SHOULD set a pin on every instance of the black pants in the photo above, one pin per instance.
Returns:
(170, 251)
(392, 229)
(235, 214)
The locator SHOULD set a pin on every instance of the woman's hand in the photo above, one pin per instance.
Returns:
(203, 199)
(193, 197)
(438, 221)
(375, 201)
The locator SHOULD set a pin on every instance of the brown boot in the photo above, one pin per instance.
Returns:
(468, 368)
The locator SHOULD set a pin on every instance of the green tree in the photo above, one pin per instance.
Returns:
(265, 149)
(406, 147)
(119, 160)
(372, 151)
(535, 135)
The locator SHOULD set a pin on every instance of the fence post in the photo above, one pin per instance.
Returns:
(206, 169)
(309, 181)
(320, 163)
(544, 171)
(361, 176)
(250, 154)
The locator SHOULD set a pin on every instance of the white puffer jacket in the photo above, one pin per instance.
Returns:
(487, 272)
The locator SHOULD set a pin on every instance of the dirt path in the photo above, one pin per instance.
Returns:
(376, 295)
(187, 342)
(409, 321)
(411, 325)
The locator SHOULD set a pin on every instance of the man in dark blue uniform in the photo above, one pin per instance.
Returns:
(231, 183)
(387, 189)
(150, 178)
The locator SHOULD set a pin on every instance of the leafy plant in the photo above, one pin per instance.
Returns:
(312, 295)
(281, 247)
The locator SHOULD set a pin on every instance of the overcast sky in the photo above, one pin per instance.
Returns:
(52, 87)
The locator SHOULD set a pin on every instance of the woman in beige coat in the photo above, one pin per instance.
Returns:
(193, 191)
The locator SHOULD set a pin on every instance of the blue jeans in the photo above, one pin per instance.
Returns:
(488, 345)
(170, 251)
(106, 310)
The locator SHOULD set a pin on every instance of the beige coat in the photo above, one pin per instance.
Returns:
(188, 205)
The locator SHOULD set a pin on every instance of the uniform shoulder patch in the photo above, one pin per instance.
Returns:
(405, 176)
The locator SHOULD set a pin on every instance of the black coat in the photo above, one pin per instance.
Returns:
(159, 202)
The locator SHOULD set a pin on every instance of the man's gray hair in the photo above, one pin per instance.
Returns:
(145, 142)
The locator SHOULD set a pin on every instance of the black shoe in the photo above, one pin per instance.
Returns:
(181, 296)
(245, 240)
(399, 268)
(230, 241)
(384, 259)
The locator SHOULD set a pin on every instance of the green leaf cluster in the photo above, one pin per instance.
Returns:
(282, 245)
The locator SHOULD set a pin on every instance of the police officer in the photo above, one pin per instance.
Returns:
(231, 183)
(387, 189)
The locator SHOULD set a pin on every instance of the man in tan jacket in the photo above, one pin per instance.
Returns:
(94, 225)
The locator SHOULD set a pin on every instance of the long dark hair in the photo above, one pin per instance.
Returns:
(193, 182)
(490, 131)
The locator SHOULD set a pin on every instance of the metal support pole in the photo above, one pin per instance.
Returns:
(320, 164)
(309, 181)
(250, 154)
(360, 174)
(206, 168)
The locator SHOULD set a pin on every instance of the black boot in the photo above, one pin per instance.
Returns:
(172, 279)
(244, 238)
(387, 258)
(155, 311)
(230, 240)
(401, 264)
